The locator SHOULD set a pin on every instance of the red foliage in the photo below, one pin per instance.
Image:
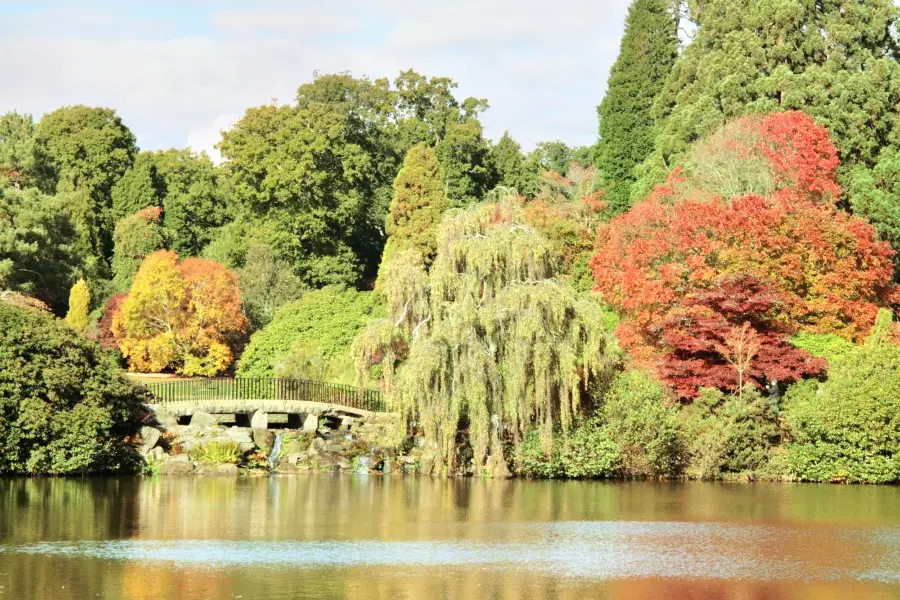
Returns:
(105, 335)
(668, 266)
(784, 155)
(695, 338)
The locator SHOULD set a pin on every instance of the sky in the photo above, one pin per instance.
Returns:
(180, 72)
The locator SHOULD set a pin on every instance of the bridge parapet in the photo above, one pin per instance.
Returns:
(282, 395)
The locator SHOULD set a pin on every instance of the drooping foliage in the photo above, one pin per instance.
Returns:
(79, 306)
(38, 246)
(836, 61)
(568, 212)
(847, 429)
(319, 326)
(648, 51)
(487, 337)
(822, 270)
(136, 236)
(64, 408)
(418, 205)
(182, 316)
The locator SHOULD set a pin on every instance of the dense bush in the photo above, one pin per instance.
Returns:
(327, 319)
(638, 419)
(585, 453)
(634, 433)
(848, 428)
(64, 407)
(730, 433)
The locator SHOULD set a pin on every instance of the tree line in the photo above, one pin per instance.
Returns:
(708, 291)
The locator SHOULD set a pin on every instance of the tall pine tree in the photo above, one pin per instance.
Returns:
(836, 61)
(649, 49)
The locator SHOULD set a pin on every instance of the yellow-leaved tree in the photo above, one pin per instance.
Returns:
(180, 316)
(79, 306)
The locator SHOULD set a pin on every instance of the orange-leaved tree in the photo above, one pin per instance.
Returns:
(180, 316)
(826, 271)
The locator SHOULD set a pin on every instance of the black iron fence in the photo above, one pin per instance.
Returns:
(227, 389)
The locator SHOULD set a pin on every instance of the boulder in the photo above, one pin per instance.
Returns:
(227, 469)
(311, 423)
(240, 435)
(342, 462)
(165, 419)
(259, 420)
(347, 423)
(179, 464)
(316, 446)
(293, 459)
(203, 419)
(150, 437)
(157, 454)
(264, 439)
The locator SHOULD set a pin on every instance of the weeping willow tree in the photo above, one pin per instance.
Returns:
(486, 337)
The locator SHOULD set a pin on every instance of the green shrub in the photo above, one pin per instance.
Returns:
(823, 345)
(327, 319)
(730, 433)
(589, 453)
(638, 419)
(586, 453)
(65, 408)
(218, 453)
(847, 429)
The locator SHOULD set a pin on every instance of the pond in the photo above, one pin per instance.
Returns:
(325, 536)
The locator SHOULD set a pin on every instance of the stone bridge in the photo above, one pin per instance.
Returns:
(252, 400)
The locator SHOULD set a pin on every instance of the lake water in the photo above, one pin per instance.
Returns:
(388, 538)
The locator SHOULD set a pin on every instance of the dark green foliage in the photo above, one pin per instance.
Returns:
(85, 150)
(836, 61)
(192, 198)
(267, 284)
(64, 407)
(847, 429)
(135, 237)
(329, 319)
(418, 205)
(138, 188)
(17, 148)
(185, 185)
(649, 49)
(37, 246)
(875, 194)
(730, 433)
(557, 156)
(514, 170)
(638, 419)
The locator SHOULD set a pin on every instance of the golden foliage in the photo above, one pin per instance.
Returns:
(180, 316)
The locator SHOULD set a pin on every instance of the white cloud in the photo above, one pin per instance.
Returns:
(542, 66)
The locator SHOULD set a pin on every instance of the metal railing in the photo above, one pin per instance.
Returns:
(227, 389)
